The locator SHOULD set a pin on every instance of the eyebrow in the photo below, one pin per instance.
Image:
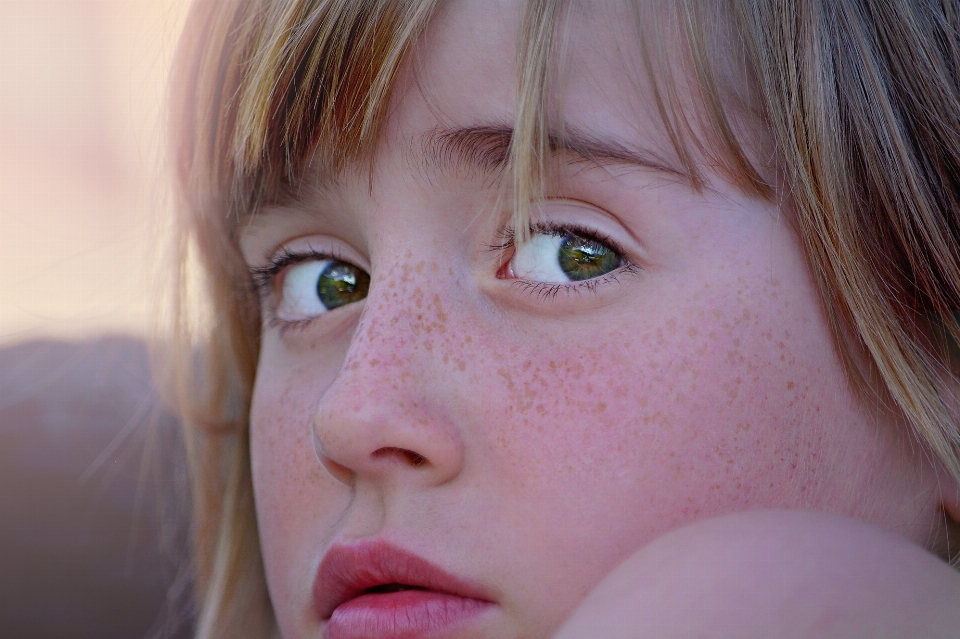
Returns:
(486, 149)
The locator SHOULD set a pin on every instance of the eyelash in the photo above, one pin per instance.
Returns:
(548, 291)
(265, 278)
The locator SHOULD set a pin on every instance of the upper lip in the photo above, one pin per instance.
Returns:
(348, 570)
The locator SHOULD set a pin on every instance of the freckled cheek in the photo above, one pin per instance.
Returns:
(684, 418)
(294, 496)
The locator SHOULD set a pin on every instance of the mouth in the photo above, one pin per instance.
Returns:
(373, 589)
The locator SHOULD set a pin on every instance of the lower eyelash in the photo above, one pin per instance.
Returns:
(264, 278)
(548, 291)
(284, 326)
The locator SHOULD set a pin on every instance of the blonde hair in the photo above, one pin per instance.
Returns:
(861, 101)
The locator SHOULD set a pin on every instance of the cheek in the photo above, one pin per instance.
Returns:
(662, 417)
(291, 490)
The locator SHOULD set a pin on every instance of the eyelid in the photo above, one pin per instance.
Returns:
(567, 213)
(267, 277)
(303, 248)
(543, 290)
(555, 223)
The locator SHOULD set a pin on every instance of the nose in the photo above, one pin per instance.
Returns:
(384, 419)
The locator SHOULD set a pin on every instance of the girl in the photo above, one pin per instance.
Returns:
(507, 297)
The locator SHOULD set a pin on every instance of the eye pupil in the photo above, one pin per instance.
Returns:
(582, 258)
(341, 283)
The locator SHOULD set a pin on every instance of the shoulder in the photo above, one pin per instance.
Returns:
(774, 573)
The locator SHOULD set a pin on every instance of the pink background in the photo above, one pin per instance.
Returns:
(81, 197)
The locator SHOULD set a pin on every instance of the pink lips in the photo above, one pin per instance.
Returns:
(374, 590)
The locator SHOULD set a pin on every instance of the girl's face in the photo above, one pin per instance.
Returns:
(522, 419)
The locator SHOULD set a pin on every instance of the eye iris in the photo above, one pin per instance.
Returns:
(341, 283)
(582, 258)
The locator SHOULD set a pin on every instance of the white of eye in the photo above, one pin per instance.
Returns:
(539, 259)
(299, 298)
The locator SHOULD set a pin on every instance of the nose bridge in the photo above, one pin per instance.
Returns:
(394, 324)
(403, 324)
(384, 416)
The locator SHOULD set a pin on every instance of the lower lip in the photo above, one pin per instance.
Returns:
(407, 614)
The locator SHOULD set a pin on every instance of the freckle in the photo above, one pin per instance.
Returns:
(789, 385)
(601, 407)
(462, 365)
(441, 316)
(693, 332)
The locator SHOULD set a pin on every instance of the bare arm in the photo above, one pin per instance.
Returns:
(774, 574)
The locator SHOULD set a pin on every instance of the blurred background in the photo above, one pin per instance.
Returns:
(91, 531)
(81, 84)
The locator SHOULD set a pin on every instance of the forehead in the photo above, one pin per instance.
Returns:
(464, 72)
(603, 85)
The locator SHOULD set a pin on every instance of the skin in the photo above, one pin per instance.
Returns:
(791, 575)
(556, 431)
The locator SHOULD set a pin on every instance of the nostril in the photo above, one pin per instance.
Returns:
(411, 457)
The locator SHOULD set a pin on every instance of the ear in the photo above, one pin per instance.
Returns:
(950, 503)
(950, 481)
(950, 496)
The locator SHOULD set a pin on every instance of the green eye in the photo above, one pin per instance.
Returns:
(583, 259)
(563, 256)
(313, 287)
(341, 283)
